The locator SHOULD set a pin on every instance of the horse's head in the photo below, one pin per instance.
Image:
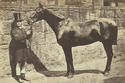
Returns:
(39, 13)
(42, 13)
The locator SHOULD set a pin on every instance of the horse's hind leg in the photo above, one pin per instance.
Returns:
(108, 49)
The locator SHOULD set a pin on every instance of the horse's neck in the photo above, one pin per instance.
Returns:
(53, 22)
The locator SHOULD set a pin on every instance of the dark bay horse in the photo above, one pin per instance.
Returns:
(70, 34)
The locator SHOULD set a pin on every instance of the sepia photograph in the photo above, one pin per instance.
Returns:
(62, 41)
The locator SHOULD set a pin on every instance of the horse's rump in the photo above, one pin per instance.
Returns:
(114, 35)
(109, 30)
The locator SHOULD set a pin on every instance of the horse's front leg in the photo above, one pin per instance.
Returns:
(108, 49)
(69, 60)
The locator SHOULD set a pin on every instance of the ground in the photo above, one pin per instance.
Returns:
(88, 68)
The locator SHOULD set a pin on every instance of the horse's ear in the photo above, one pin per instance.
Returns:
(40, 5)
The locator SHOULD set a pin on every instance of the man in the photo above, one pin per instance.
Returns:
(19, 48)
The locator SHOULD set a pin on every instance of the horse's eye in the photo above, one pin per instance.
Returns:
(38, 10)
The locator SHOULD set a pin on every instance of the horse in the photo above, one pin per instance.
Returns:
(70, 34)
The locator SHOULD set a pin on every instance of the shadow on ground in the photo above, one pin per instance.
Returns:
(38, 65)
(115, 80)
(62, 73)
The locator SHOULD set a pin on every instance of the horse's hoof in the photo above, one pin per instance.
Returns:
(66, 74)
(106, 73)
(69, 75)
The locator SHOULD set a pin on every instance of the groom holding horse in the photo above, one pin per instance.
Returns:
(19, 48)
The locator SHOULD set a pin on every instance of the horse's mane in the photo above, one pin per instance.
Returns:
(60, 17)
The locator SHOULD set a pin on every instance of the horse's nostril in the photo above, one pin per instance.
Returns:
(28, 22)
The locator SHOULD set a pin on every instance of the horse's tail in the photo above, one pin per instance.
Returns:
(114, 34)
(113, 31)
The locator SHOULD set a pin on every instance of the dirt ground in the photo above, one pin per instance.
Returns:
(88, 68)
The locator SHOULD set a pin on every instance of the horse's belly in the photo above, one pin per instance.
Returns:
(76, 41)
(82, 41)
